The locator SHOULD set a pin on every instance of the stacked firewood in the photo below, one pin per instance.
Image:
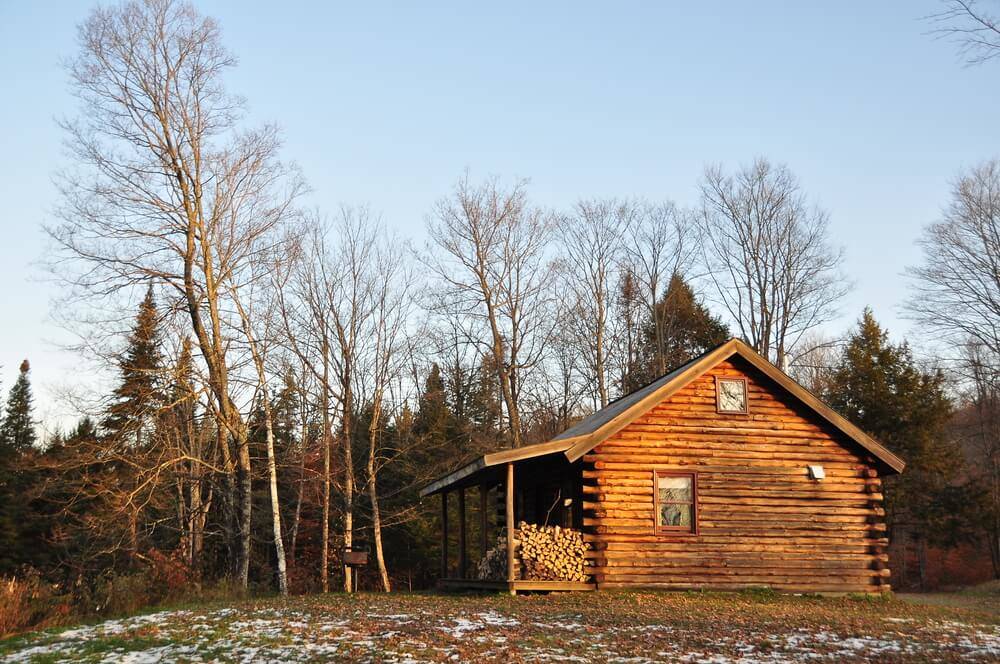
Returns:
(541, 553)
(493, 566)
(551, 553)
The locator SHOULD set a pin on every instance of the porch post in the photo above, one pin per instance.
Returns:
(461, 534)
(444, 534)
(510, 526)
(484, 524)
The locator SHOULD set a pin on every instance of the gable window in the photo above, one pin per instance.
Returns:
(731, 395)
(676, 502)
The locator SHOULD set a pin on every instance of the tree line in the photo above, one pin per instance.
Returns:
(286, 379)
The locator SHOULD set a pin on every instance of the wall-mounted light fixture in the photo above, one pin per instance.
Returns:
(816, 472)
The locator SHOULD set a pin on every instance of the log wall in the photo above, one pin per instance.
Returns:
(761, 519)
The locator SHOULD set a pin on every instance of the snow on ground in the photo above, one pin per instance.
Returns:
(477, 629)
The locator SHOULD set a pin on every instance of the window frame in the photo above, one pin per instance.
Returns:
(718, 395)
(675, 530)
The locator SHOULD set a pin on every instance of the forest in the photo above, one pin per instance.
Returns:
(283, 380)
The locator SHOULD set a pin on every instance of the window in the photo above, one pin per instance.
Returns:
(731, 395)
(676, 502)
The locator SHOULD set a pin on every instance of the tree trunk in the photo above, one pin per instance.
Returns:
(272, 473)
(301, 491)
(348, 409)
(246, 507)
(373, 493)
(324, 574)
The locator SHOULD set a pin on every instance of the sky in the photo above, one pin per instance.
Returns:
(387, 104)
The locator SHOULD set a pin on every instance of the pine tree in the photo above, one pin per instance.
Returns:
(139, 395)
(17, 433)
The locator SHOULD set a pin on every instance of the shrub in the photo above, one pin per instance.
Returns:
(29, 603)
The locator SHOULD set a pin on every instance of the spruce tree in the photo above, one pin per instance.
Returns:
(139, 395)
(686, 329)
(17, 433)
(17, 437)
(879, 386)
(433, 420)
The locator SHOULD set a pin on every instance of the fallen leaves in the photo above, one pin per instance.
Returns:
(585, 627)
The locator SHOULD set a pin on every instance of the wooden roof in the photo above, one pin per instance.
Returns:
(594, 429)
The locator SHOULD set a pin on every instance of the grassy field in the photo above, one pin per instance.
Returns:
(626, 627)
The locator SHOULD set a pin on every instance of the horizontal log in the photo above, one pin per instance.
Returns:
(723, 557)
(760, 578)
(760, 473)
(695, 572)
(649, 542)
(803, 587)
(693, 462)
(627, 440)
(644, 456)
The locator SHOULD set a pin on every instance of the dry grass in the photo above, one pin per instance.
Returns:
(633, 626)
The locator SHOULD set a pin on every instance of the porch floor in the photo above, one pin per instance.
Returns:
(515, 586)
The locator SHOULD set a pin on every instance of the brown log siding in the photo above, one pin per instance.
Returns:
(761, 520)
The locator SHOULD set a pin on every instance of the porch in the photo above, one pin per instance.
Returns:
(534, 485)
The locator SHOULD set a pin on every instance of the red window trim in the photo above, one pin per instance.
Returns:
(675, 530)
(718, 396)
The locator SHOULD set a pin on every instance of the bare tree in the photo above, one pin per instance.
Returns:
(387, 354)
(254, 302)
(168, 188)
(488, 251)
(957, 287)
(592, 244)
(973, 27)
(768, 256)
(664, 241)
(982, 438)
(814, 359)
(303, 305)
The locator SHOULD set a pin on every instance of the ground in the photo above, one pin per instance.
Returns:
(607, 626)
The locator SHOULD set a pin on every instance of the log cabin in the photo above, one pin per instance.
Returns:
(723, 474)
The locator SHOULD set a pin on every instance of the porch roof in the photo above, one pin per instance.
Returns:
(469, 471)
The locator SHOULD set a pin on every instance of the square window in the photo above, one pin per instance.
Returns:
(676, 502)
(731, 395)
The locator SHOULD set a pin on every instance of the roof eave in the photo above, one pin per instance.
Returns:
(495, 459)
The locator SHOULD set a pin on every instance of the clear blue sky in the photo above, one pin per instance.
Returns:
(387, 104)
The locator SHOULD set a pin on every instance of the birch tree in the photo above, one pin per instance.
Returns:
(168, 187)
(387, 353)
(303, 303)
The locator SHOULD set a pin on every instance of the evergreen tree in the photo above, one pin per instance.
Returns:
(879, 386)
(138, 397)
(17, 433)
(433, 419)
(285, 410)
(686, 329)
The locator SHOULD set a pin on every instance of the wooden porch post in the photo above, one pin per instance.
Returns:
(444, 534)
(462, 561)
(510, 526)
(484, 523)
